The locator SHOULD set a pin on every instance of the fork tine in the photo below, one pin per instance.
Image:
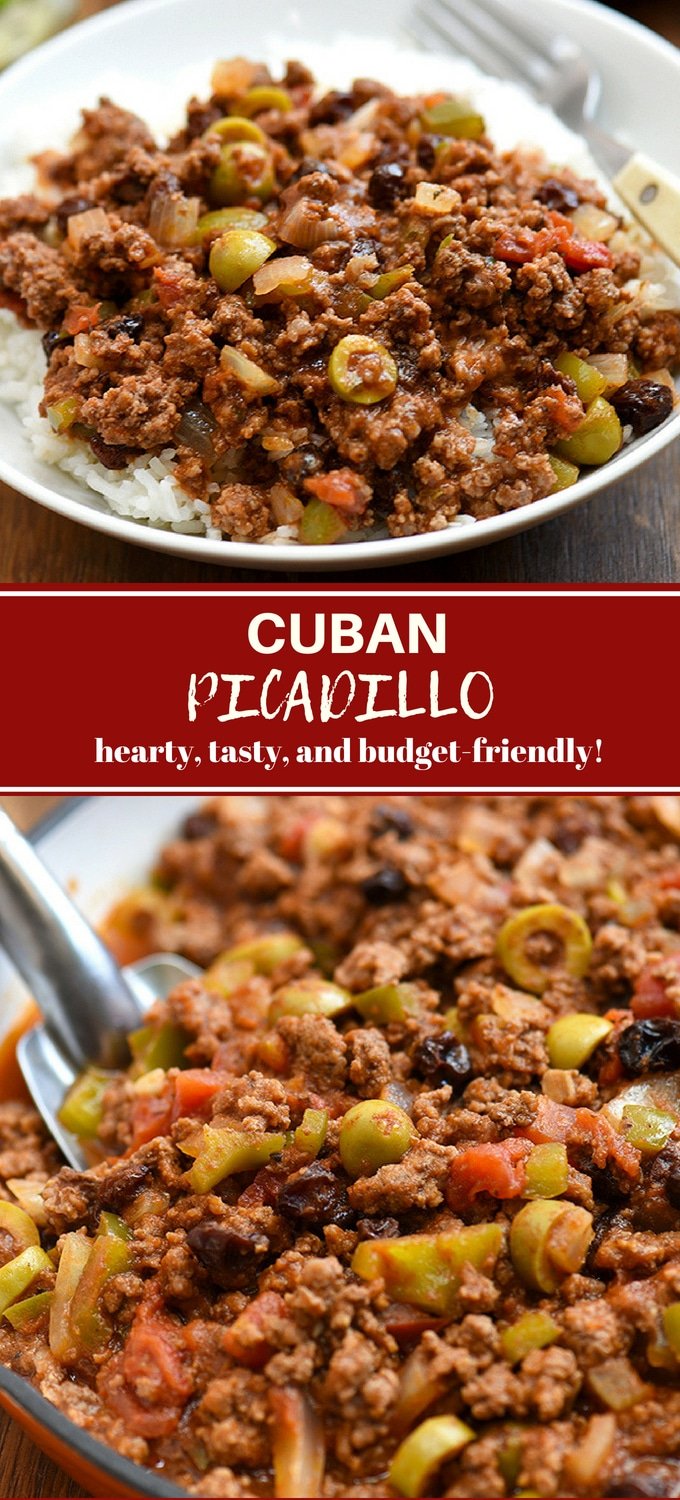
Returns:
(429, 29)
(495, 38)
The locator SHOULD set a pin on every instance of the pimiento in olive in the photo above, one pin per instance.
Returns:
(384, 886)
(315, 1197)
(651, 1046)
(443, 1058)
(642, 404)
(387, 184)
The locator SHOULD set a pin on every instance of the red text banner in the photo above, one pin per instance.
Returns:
(359, 689)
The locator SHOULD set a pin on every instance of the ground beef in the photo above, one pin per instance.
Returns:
(239, 1319)
(468, 302)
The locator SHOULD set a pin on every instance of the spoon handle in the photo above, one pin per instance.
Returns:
(84, 998)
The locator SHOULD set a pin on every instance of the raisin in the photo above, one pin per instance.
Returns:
(665, 1169)
(426, 153)
(52, 340)
(387, 184)
(131, 323)
(384, 886)
(230, 1256)
(308, 165)
(68, 207)
(392, 820)
(378, 1229)
(315, 1197)
(443, 1059)
(199, 826)
(123, 1186)
(642, 404)
(111, 455)
(651, 1046)
(332, 109)
(557, 196)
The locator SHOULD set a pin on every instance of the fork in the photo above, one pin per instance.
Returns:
(557, 73)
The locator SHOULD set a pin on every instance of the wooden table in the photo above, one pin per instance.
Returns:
(630, 534)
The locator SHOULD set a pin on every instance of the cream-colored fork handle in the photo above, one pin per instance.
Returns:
(652, 194)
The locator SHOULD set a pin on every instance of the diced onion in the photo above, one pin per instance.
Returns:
(667, 810)
(586, 1463)
(290, 273)
(614, 367)
(82, 226)
(195, 429)
(432, 198)
(173, 219)
(82, 348)
(297, 1444)
(286, 508)
(594, 223)
(616, 1384)
(302, 226)
(247, 371)
(232, 77)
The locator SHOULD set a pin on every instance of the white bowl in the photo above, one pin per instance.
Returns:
(160, 38)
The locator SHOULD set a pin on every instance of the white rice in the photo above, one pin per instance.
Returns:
(146, 490)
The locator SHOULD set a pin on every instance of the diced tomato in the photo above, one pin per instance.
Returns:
(670, 880)
(194, 1091)
(496, 1169)
(169, 286)
(651, 996)
(292, 841)
(343, 489)
(81, 319)
(156, 1382)
(247, 1339)
(552, 1122)
(519, 246)
(152, 1115)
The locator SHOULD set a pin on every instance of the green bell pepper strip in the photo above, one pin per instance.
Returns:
(157, 1047)
(18, 1274)
(108, 1257)
(19, 1225)
(387, 1002)
(425, 1269)
(417, 1459)
(81, 1112)
(311, 1134)
(22, 1314)
(222, 1153)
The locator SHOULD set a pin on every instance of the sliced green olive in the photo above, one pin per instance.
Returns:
(265, 953)
(311, 1133)
(387, 1002)
(588, 381)
(546, 1170)
(572, 1039)
(236, 128)
(237, 255)
(430, 1445)
(19, 1225)
(320, 525)
(647, 1129)
(265, 96)
(362, 371)
(219, 220)
(372, 1134)
(535, 1330)
(548, 1241)
(598, 437)
(319, 997)
(562, 924)
(565, 474)
(453, 117)
(244, 171)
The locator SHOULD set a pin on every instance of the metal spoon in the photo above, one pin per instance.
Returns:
(88, 1003)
